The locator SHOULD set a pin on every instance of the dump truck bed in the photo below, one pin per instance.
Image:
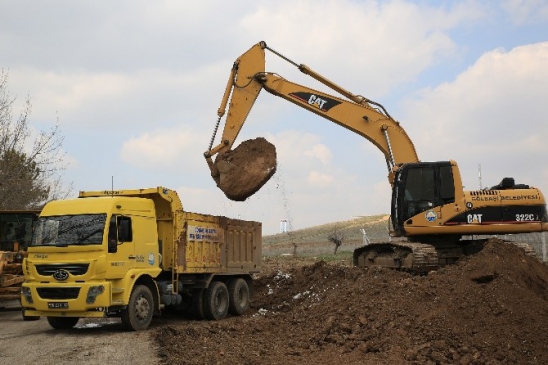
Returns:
(197, 243)
(215, 244)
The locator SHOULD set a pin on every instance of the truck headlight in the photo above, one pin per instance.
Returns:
(27, 293)
(93, 292)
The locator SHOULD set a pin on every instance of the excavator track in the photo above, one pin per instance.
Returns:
(529, 250)
(422, 257)
(418, 257)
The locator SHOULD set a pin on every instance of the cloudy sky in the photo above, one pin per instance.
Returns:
(136, 86)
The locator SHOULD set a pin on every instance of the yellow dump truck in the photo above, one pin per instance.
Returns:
(133, 253)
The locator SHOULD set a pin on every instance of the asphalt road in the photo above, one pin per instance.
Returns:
(91, 341)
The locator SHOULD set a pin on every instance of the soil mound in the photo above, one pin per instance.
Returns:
(490, 308)
(245, 169)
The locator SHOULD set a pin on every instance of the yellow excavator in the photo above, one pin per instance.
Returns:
(429, 205)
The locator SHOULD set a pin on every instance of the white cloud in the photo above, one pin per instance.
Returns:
(293, 151)
(525, 11)
(492, 114)
(117, 100)
(386, 43)
(320, 179)
(164, 149)
(321, 152)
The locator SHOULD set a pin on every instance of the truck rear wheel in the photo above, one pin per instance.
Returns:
(216, 301)
(63, 323)
(138, 314)
(238, 294)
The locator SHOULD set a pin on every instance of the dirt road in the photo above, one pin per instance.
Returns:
(91, 342)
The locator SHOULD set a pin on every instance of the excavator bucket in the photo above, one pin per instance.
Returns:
(245, 169)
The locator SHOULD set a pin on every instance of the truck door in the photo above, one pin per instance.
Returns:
(121, 248)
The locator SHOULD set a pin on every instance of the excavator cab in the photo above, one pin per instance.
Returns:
(418, 188)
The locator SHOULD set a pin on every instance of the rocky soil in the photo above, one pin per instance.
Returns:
(490, 308)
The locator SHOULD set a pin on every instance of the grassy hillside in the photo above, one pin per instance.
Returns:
(314, 241)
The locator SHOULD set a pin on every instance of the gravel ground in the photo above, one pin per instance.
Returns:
(91, 342)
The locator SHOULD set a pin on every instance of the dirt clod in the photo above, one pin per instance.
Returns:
(245, 169)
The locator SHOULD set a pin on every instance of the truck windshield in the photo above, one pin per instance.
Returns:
(65, 230)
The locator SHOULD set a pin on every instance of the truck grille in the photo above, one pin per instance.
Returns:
(58, 293)
(74, 269)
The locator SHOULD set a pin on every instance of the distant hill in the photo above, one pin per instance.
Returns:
(314, 240)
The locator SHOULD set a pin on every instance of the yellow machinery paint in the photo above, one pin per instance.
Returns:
(131, 253)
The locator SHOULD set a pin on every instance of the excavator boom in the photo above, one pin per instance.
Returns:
(356, 113)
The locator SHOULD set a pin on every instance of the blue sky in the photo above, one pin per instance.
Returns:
(136, 85)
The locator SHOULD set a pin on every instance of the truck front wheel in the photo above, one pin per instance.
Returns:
(238, 293)
(216, 301)
(63, 323)
(138, 314)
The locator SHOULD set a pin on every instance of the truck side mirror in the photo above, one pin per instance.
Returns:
(112, 240)
(124, 230)
(112, 246)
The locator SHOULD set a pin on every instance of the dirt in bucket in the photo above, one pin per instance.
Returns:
(245, 169)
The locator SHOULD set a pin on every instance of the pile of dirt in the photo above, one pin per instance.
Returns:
(490, 308)
(245, 169)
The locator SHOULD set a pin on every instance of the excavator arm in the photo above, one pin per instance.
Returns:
(354, 112)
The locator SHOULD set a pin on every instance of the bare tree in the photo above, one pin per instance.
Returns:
(337, 237)
(30, 167)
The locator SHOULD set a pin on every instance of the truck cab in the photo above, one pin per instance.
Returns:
(86, 253)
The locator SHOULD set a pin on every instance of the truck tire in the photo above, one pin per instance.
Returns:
(216, 301)
(63, 323)
(138, 314)
(238, 295)
(198, 303)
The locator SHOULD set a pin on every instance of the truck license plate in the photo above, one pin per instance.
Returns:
(58, 305)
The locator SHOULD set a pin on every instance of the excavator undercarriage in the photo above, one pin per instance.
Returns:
(421, 257)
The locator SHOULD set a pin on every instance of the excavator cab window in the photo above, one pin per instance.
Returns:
(419, 187)
(447, 184)
(420, 190)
